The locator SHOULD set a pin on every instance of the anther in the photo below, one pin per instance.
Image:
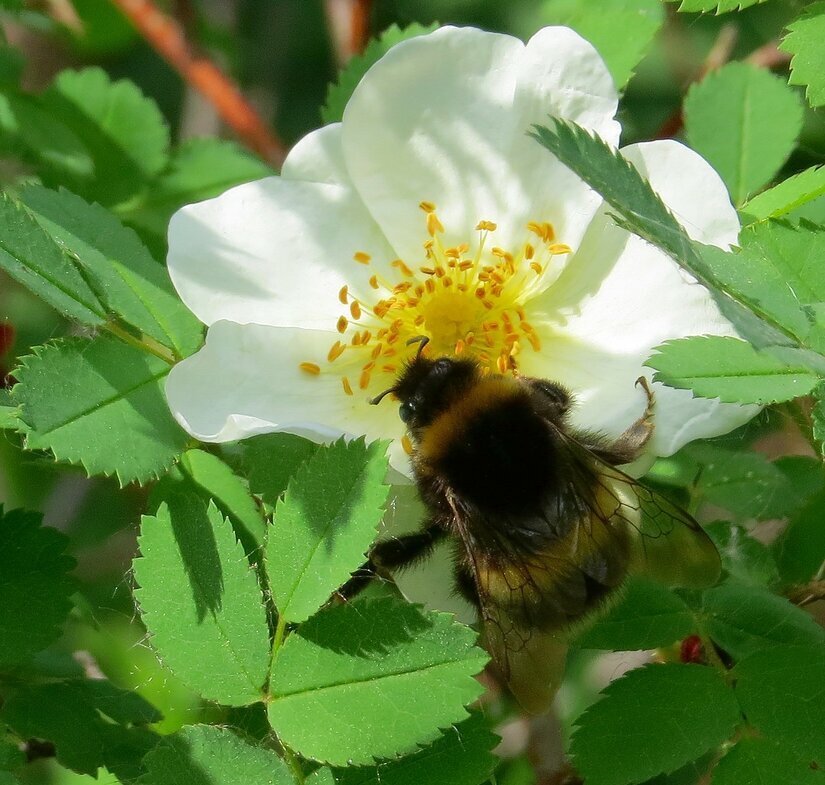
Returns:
(341, 326)
(335, 351)
(373, 282)
(407, 444)
(342, 295)
(346, 385)
(355, 310)
(560, 248)
(364, 379)
(427, 207)
(310, 368)
(361, 257)
(433, 224)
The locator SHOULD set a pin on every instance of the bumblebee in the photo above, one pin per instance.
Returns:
(545, 528)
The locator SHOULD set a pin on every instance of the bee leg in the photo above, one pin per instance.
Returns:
(629, 446)
(391, 555)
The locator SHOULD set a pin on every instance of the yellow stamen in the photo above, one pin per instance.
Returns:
(335, 351)
(407, 444)
(355, 310)
(342, 294)
(361, 257)
(346, 385)
(310, 368)
(341, 326)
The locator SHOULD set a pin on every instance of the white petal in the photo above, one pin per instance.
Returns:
(272, 252)
(444, 118)
(318, 158)
(246, 381)
(617, 299)
(690, 187)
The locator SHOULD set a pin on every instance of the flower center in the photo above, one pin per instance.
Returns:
(468, 299)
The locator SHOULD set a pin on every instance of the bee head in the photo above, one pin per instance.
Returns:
(427, 387)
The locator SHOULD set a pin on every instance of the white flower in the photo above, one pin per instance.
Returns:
(429, 210)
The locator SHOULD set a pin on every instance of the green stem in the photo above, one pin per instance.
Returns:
(145, 343)
(289, 756)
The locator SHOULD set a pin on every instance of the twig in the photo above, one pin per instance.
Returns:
(768, 56)
(718, 55)
(165, 35)
(349, 26)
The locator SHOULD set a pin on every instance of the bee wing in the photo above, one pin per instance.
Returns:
(530, 660)
(667, 543)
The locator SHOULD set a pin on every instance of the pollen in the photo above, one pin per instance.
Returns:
(407, 444)
(468, 297)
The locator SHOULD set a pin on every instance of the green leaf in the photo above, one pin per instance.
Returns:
(403, 675)
(745, 483)
(782, 693)
(201, 601)
(31, 257)
(744, 121)
(199, 169)
(806, 477)
(672, 712)
(123, 130)
(800, 549)
(208, 476)
(717, 6)
(41, 137)
(745, 619)
(461, 756)
(715, 366)
(745, 559)
(818, 416)
(203, 754)
(338, 93)
(325, 525)
(640, 210)
(804, 42)
(34, 585)
(762, 762)
(780, 272)
(99, 404)
(647, 616)
(11, 756)
(621, 30)
(125, 278)
(9, 418)
(271, 460)
(70, 715)
(787, 196)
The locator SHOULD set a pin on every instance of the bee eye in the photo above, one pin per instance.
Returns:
(443, 365)
(406, 411)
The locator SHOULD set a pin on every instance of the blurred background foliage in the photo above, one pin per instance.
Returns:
(283, 55)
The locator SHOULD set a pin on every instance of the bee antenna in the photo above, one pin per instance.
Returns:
(380, 397)
(421, 340)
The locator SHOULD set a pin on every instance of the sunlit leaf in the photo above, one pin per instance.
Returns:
(804, 42)
(201, 601)
(744, 121)
(403, 674)
(99, 404)
(325, 525)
